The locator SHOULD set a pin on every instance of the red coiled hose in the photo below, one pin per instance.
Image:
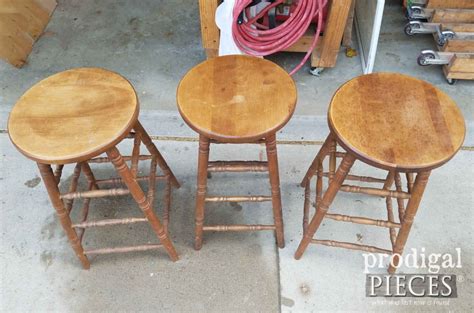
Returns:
(255, 39)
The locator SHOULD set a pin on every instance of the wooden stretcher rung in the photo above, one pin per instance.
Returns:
(126, 158)
(238, 199)
(375, 191)
(362, 220)
(238, 227)
(124, 249)
(340, 154)
(111, 222)
(366, 179)
(83, 214)
(352, 246)
(95, 193)
(238, 166)
(260, 141)
(58, 171)
(119, 180)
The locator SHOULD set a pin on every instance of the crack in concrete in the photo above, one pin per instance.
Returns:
(280, 142)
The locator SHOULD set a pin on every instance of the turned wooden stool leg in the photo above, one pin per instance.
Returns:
(319, 183)
(145, 138)
(135, 154)
(167, 205)
(201, 189)
(400, 201)
(388, 201)
(323, 207)
(73, 186)
(142, 201)
(416, 195)
(58, 172)
(275, 187)
(315, 164)
(86, 169)
(53, 192)
(409, 181)
(307, 204)
(332, 160)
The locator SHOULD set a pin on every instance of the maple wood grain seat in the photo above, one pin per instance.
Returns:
(74, 117)
(237, 99)
(396, 121)
(393, 122)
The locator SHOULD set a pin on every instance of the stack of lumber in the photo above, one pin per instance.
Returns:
(452, 24)
(21, 23)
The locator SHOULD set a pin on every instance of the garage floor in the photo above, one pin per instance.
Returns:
(233, 272)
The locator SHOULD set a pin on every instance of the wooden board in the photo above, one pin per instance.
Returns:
(450, 4)
(459, 45)
(458, 27)
(209, 30)
(452, 16)
(334, 31)
(460, 67)
(324, 55)
(347, 38)
(21, 23)
(303, 44)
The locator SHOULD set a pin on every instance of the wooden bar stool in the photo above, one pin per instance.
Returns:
(237, 99)
(73, 117)
(393, 122)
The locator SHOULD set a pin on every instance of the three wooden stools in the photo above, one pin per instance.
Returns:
(237, 99)
(393, 122)
(73, 117)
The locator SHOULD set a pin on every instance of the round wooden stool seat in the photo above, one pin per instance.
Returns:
(395, 121)
(73, 115)
(236, 98)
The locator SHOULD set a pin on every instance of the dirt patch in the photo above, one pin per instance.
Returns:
(287, 302)
(46, 258)
(305, 290)
(236, 206)
(32, 183)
